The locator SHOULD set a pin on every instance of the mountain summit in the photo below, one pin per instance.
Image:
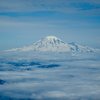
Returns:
(54, 44)
(51, 43)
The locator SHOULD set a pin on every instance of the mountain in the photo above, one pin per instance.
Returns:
(54, 44)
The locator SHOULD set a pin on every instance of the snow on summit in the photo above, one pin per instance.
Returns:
(52, 43)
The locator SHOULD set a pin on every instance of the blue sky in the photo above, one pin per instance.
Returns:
(23, 22)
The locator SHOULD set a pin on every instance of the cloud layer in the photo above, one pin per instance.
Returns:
(74, 79)
(46, 5)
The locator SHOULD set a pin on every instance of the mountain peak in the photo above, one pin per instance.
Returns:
(53, 39)
(51, 43)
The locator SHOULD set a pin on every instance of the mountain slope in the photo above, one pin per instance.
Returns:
(74, 47)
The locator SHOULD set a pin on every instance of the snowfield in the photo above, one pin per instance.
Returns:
(46, 76)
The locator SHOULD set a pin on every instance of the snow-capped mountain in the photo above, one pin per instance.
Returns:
(54, 44)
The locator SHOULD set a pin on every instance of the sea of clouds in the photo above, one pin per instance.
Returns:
(53, 77)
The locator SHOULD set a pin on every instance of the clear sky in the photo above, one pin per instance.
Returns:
(23, 22)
